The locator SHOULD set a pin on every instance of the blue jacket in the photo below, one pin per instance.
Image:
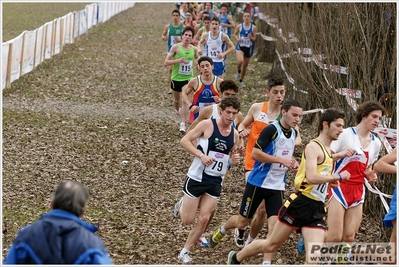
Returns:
(58, 237)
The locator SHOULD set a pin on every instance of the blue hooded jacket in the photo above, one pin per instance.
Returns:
(58, 237)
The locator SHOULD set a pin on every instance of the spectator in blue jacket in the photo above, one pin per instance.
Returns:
(60, 236)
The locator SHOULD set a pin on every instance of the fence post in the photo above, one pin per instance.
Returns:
(34, 49)
(9, 64)
(62, 37)
(22, 53)
(53, 37)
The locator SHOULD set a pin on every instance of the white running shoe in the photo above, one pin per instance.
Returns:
(177, 116)
(182, 127)
(185, 259)
(242, 85)
(238, 239)
(176, 209)
(203, 241)
(237, 76)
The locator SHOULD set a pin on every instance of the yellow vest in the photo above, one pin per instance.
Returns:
(316, 192)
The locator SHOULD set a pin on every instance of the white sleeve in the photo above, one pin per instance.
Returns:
(340, 144)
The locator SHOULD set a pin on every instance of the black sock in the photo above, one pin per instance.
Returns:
(241, 233)
(239, 71)
(234, 259)
(240, 81)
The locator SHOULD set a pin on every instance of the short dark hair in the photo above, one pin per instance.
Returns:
(71, 196)
(205, 58)
(230, 101)
(209, 3)
(224, 5)
(364, 109)
(275, 82)
(215, 19)
(330, 115)
(288, 103)
(188, 28)
(228, 85)
(206, 17)
(175, 11)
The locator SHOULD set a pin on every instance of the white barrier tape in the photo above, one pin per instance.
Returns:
(312, 111)
(265, 37)
(387, 132)
(385, 142)
(376, 191)
(353, 93)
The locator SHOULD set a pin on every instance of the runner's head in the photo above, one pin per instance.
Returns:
(246, 16)
(224, 8)
(332, 122)
(205, 65)
(188, 29)
(215, 22)
(176, 15)
(371, 112)
(291, 111)
(228, 88)
(276, 90)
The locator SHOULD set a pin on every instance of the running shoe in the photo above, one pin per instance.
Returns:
(177, 116)
(237, 76)
(230, 258)
(343, 255)
(242, 85)
(182, 127)
(215, 238)
(202, 241)
(239, 237)
(170, 91)
(301, 245)
(185, 259)
(176, 209)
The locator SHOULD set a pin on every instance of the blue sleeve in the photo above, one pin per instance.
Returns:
(94, 256)
(102, 259)
(11, 256)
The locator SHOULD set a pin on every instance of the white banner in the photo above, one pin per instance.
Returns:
(82, 22)
(48, 48)
(68, 29)
(16, 57)
(39, 56)
(57, 39)
(28, 52)
(5, 48)
(76, 24)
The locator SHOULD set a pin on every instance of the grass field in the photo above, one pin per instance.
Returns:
(99, 113)
(18, 17)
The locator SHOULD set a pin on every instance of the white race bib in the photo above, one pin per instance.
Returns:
(173, 40)
(319, 191)
(219, 165)
(186, 67)
(203, 105)
(245, 42)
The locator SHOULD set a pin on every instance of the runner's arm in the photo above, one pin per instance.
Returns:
(203, 115)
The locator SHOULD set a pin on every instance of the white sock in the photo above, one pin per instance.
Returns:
(184, 251)
(222, 230)
(266, 263)
(249, 240)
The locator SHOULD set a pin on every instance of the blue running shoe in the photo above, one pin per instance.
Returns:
(301, 245)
